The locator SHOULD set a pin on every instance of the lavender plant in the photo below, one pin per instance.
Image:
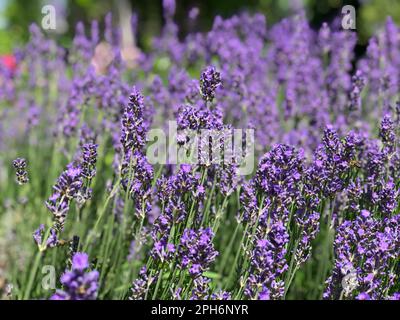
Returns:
(318, 218)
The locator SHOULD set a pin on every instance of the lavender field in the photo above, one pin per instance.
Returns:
(94, 205)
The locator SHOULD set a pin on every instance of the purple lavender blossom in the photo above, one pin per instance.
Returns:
(210, 80)
(79, 283)
(268, 264)
(201, 290)
(38, 234)
(163, 251)
(89, 160)
(141, 285)
(67, 187)
(387, 133)
(137, 175)
(196, 251)
(326, 189)
(355, 94)
(169, 8)
(133, 125)
(364, 249)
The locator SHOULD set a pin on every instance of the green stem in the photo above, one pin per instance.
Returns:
(32, 276)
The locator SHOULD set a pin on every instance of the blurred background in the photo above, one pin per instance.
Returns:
(17, 15)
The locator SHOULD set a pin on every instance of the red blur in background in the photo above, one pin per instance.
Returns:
(9, 61)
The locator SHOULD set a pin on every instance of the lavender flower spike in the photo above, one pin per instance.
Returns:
(78, 283)
(210, 80)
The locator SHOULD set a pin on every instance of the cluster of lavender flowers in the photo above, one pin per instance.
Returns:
(66, 188)
(318, 217)
(78, 283)
(196, 251)
(366, 252)
(136, 172)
